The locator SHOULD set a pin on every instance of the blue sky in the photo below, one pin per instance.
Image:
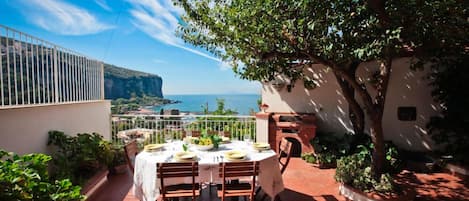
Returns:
(136, 34)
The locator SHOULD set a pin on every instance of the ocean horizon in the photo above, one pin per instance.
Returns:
(194, 103)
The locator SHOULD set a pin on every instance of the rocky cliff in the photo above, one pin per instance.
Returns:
(124, 83)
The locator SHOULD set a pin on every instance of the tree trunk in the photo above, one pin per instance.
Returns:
(356, 114)
(377, 138)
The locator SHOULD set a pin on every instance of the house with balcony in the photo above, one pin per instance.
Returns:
(46, 87)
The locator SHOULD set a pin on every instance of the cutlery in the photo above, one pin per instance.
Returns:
(169, 158)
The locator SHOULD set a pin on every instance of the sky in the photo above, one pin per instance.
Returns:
(135, 34)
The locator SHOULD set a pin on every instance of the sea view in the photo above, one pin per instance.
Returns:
(241, 103)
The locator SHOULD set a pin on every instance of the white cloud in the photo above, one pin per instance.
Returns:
(159, 19)
(103, 5)
(62, 18)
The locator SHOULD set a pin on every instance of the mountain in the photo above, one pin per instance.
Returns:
(124, 83)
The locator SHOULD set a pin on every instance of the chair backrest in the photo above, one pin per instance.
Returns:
(172, 170)
(196, 133)
(284, 155)
(239, 169)
(131, 151)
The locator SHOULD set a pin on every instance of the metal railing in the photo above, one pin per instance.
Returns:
(155, 128)
(36, 72)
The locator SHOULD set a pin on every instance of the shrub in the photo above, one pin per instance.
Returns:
(26, 178)
(328, 147)
(79, 157)
(355, 170)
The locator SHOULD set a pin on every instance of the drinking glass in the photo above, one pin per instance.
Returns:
(247, 138)
(168, 137)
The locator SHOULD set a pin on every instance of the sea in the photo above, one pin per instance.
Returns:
(241, 103)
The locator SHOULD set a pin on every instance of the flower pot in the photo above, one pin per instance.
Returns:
(351, 193)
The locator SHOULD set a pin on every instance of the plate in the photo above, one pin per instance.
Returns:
(185, 156)
(153, 147)
(261, 146)
(235, 155)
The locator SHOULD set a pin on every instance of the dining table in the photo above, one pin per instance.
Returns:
(146, 185)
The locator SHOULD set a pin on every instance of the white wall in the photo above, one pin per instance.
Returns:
(407, 88)
(24, 130)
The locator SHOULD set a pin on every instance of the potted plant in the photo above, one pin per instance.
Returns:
(264, 107)
(357, 182)
(118, 164)
(84, 159)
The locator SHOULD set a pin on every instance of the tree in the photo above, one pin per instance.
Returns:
(264, 39)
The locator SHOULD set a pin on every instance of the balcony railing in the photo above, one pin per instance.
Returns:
(148, 129)
(37, 72)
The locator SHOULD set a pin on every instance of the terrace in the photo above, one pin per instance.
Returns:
(46, 87)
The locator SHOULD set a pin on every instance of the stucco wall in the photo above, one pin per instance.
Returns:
(24, 130)
(327, 102)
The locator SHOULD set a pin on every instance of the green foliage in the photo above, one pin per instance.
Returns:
(264, 39)
(270, 37)
(79, 157)
(26, 178)
(118, 157)
(329, 147)
(355, 170)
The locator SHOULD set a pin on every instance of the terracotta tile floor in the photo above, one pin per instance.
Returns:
(306, 183)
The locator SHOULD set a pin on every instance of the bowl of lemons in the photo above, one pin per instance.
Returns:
(203, 143)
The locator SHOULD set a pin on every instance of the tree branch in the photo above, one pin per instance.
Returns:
(385, 72)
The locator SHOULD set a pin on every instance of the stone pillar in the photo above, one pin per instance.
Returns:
(262, 127)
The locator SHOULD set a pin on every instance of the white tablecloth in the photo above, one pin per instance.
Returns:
(146, 185)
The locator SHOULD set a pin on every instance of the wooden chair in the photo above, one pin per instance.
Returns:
(131, 151)
(284, 155)
(235, 170)
(196, 133)
(173, 170)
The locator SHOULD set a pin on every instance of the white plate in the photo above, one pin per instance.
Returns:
(185, 155)
(261, 146)
(235, 155)
(153, 147)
